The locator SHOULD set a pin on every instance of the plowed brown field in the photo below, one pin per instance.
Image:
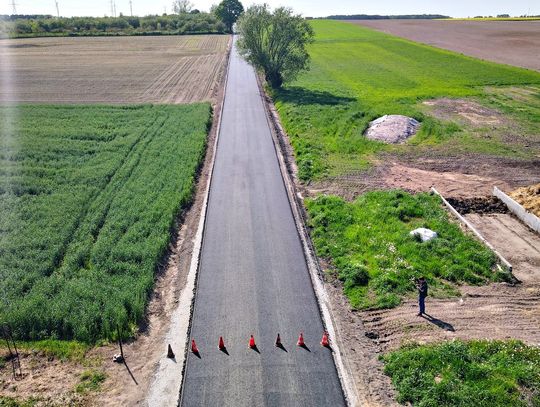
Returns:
(163, 69)
(508, 42)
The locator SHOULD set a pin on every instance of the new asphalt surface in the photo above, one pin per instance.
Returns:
(253, 278)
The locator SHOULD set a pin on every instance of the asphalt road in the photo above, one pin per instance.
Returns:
(253, 277)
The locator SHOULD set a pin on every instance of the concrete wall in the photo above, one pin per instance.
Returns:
(528, 218)
(502, 260)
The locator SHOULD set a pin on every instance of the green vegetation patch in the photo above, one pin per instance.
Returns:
(368, 243)
(358, 74)
(11, 402)
(62, 350)
(475, 373)
(89, 196)
(90, 381)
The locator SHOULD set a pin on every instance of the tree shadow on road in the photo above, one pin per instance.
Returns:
(441, 324)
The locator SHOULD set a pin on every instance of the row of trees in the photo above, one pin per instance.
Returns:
(186, 20)
(166, 24)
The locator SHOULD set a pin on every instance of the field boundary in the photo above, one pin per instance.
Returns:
(167, 384)
(468, 224)
(530, 219)
(315, 271)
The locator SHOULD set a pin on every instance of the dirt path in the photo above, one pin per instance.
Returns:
(466, 176)
(515, 241)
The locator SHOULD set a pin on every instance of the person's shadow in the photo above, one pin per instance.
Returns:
(441, 324)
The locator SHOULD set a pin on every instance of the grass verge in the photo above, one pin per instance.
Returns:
(368, 243)
(476, 373)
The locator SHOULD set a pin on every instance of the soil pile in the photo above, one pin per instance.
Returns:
(392, 129)
(529, 197)
(478, 205)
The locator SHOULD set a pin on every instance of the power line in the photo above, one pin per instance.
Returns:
(14, 5)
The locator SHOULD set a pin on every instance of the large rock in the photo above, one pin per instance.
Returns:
(392, 129)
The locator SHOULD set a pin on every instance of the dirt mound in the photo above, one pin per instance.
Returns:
(479, 205)
(392, 129)
(529, 197)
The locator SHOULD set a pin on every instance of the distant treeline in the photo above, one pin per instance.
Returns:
(378, 17)
(43, 26)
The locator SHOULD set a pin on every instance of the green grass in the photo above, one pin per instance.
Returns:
(89, 196)
(62, 350)
(11, 402)
(464, 374)
(368, 243)
(90, 381)
(357, 75)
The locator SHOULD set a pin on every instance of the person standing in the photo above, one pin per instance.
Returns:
(422, 287)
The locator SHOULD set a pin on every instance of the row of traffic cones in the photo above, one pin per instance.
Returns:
(325, 342)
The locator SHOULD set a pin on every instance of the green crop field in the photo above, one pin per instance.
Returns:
(368, 243)
(463, 374)
(89, 197)
(358, 74)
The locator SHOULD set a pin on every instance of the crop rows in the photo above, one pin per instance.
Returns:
(88, 197)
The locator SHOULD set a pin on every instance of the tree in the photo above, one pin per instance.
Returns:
(182, 6)
(275, 43)
(228, 11)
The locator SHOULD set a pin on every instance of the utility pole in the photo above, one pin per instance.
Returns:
(112, 9)
(14, 6)
(131, 8)
(57, 9)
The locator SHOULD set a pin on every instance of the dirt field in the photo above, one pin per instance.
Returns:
(508, 42)
(162, 69)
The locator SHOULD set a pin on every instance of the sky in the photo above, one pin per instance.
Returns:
(312, 8)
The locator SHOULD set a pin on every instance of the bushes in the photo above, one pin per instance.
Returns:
(80, 250)
(200, 23)
(476, 373)
(369, 245)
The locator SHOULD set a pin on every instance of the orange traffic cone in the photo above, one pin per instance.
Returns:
(221, 344)
(252, 342)
(194, 348)
(301, 340)
(324, 341)
(278, 341)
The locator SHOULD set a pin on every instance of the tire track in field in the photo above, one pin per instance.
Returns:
(143, 140)
(192, 78)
